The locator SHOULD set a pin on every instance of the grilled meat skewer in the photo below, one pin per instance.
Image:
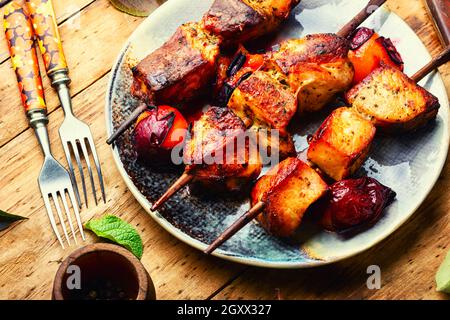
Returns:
(343, 133)
(265, 100)
(183, 67)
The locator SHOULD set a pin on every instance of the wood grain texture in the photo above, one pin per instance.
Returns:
(408, 259)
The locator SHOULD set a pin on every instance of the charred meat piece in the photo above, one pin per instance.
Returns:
(217, 153)
(264, 98)
(180, 69)
(287, 190)
(317, 67)
(342, 143)
(237, 21)
(369, 50)
(354, 204)
(393, 101)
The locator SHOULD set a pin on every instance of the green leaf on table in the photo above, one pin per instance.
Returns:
(443, 275)
(6, 219)
(140, 8)
(118, 231)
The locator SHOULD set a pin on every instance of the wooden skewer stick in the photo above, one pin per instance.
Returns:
(180, 183)
(236, 226)
(362, 16)
(439, 60)
(127, 123)
(435, 63)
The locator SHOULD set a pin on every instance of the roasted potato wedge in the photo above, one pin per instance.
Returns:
(207, 152)
(317, 67)
(180, 69)
(287, 190)
(392, 101)
(237, 21)
(342, 143)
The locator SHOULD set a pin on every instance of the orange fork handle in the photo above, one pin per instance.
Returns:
(46, 30)
(20, 38)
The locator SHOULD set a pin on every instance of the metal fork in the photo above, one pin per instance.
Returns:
(54, 181)
(75, 135)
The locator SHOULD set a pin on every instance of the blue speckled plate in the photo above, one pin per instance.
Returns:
(410, 164)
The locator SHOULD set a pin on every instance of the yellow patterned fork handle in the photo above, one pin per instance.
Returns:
(46, 30)
(20, 38)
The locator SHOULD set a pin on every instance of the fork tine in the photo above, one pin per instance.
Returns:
(72, 173)
(52, 218)
(97, 164)
(61, 219)
(66, 208)
(77, 213)
(74, 146)
(88, 164)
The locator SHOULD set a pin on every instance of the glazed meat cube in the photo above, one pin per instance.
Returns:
(317, 68)
(392, 101)
(207, 152)
(179, 70)
(264, 98)
(237, 21)
(342, 143)
(288, 190)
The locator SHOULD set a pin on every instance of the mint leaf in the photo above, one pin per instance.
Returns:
(443, 275)
(6, 219)
(118, 231)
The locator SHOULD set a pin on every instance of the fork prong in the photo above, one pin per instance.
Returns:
(69, 218)
(77, 213)
(60, 216)
(52, 218)
(74, 146)
(72, 172)
(88, 164)
(97, 164)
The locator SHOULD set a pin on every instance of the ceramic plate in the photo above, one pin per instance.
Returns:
(410, 165)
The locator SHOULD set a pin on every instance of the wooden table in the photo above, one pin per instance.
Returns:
(93, 33)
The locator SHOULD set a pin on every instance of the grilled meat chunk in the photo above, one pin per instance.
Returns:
(392, 101)
(342, 143)
(180, 69)
(218, 154)
(317, 67)
(264, 98)
(287, 190)
(237, 21)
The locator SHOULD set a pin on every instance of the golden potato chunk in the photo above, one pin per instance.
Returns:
(392, 101)
(317, 67)
(287, 190)
(342, 143)
(180, 70)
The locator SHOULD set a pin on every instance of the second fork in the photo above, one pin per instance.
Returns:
(75, 135)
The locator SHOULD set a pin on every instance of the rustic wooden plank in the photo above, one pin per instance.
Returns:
(63, 11)
(408, 259)
(90, 51)
(33, 255)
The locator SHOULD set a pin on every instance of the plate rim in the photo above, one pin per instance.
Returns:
(180, 235)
